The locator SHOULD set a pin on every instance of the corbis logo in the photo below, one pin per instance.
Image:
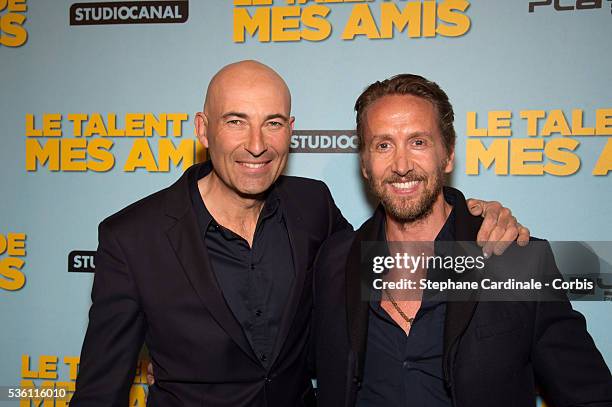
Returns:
(11, 266)
(12, 19)
(568, 5)
(324, 141)
(129, 12)
(600, 290)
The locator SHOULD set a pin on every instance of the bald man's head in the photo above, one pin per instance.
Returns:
(246, 126)
(243, 75)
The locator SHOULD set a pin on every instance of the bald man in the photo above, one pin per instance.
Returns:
(214, 272)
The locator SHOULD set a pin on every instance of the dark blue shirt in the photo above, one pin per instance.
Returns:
(406, 370)
(255, 280)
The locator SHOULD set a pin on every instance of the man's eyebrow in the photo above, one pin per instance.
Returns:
(386, 136)
(246, 116)
(425, 134)
(235, 114)
(277, 116)
(382, 136)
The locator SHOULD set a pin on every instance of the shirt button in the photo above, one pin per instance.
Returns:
(258, 313)
(406, 365)
(252, 267)
(263, 357)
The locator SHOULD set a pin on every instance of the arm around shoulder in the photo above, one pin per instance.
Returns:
(337, 221)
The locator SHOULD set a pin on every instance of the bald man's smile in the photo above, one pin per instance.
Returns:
(246, 127)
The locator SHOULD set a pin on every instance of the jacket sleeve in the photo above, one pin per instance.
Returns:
(567, 364)
(337, 222)
(333, 357)
(115, 333)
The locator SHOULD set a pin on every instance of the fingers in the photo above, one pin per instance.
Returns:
(504, 229)
(491, 215)
(499, 228)
(150, 376)
(509, 234)
(475, 206)
(495, 241)
(523, 238)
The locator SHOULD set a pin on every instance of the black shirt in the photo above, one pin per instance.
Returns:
(255, 281)
(406, 370)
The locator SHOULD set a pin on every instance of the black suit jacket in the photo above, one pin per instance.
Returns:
(495, 353)
(153, 284)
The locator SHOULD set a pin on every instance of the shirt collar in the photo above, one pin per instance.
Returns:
(446, 234)
(270, 209)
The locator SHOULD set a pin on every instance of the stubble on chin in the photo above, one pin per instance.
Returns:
(409, 209)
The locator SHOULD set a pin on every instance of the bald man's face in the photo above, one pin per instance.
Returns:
(247, 130)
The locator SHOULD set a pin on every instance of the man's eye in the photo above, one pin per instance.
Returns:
(234, 122)
(275, 124)
(419, 142)
(383, 146)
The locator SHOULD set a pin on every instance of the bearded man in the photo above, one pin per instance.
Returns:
(390, 349)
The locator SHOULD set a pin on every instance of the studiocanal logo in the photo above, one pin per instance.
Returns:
(81, 261)
(12, 20)
(129, 12)
(324, 141)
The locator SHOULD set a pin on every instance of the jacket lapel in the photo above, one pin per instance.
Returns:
(298, 240)
(186, 240)
(459, 313)
(358, 284)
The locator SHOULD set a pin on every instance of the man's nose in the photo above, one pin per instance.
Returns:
(256, 144)
(402, 162)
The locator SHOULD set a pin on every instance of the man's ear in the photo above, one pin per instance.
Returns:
(292, 123)
(364, 172)
(450, 164)
(201, 128)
